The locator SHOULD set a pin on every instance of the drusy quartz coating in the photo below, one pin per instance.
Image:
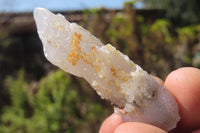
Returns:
(134, 93)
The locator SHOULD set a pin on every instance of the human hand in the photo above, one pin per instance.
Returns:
(184, 85)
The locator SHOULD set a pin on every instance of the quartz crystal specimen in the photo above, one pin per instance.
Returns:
(134, 93)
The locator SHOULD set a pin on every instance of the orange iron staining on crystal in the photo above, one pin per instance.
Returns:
(75, 54)
(113, 71)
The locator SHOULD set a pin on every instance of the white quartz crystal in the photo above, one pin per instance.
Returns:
(134, 93)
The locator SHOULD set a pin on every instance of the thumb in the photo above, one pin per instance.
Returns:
(136, 127)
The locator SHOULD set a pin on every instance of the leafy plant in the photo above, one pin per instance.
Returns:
(57, 106)
(161, 26)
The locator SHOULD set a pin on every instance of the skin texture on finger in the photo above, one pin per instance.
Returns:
(136, 127)
(111, 123)
(184, 84)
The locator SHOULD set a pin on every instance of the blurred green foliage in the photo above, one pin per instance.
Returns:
(188, 32)
(92, 11)
(159, 47)
(55, 107)
(180, 12)
(161, 26)
(130, 3)
(120, 29)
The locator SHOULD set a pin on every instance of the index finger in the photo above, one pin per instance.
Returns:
(111, 123)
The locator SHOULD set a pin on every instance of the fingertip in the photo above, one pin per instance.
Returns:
(111, 123)
(136, 127)
(184, 84)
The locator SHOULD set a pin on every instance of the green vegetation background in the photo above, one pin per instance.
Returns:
(56, 102)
